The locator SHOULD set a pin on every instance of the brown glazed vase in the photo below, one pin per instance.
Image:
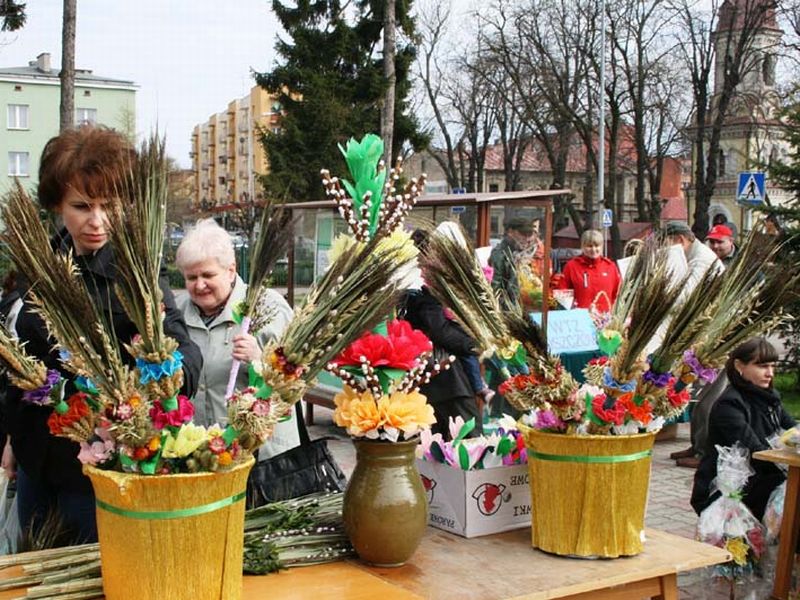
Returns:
(385, 509)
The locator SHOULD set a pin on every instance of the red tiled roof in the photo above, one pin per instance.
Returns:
(569, 238)
(535, 156)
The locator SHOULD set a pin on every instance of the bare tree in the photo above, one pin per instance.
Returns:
(433, 29)
(67, 76)
(389, 48)
(538, 45)
(460, 99)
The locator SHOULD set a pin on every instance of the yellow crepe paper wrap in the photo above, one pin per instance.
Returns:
(197, 556)
(581, 505)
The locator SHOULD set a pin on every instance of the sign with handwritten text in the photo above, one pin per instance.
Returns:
(569, 330)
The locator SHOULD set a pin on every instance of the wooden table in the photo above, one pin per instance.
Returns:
(502, 566)
(791, 519)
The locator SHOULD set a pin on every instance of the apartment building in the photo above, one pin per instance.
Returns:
(30, 97)
(227, 157)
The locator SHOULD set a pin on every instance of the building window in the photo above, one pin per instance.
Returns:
(721, 163)
(85, 116)
(18, 164)
(17, 116)
(494, 188)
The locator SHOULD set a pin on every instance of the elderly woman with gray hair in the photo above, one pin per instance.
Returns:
(207, 261)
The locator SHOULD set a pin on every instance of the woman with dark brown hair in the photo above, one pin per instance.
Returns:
(750, 412)
(79, 171)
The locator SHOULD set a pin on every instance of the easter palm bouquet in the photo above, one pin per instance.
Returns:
(383, 369)
(120, 400)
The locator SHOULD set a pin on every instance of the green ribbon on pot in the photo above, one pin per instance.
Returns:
(620, 458)
(160, 515)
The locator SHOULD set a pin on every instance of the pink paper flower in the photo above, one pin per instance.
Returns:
(174, 418)
(260, 408)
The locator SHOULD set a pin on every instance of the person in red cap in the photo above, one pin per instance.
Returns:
(720, 240)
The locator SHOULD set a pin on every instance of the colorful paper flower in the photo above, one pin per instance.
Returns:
(77, 409)
(738, 549)
(608, 410)
(362, 416)
(41, 395)
(398, 349)
(172, 418)
(188, 439)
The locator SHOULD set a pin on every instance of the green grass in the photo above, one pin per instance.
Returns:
(789, 387)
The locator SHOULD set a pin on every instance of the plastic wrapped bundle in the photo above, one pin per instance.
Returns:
(727, 522)
(773, 515)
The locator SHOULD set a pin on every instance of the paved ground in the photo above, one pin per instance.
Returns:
(668, 508)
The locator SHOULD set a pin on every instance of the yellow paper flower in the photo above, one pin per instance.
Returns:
(508, 352)
(408, 412)
(359, 413)
(738, 549)
(190, 437)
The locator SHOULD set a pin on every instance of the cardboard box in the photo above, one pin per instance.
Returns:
(473, 503)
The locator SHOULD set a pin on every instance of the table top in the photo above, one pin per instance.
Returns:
(500, 566)
(781, 456)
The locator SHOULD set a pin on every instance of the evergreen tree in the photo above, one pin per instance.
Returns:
(330, 85)
(787, 175)
(12, 15)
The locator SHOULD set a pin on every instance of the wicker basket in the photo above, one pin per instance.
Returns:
(171, 536)
(588, 493)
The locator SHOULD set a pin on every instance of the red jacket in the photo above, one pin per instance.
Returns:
(590, 276)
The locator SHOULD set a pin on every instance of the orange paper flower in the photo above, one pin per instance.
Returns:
(361, 415)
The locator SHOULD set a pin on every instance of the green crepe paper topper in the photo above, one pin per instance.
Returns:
(609, 341)
(238, 312)
(504, 447)
(463, 457)
(170, 403)
(229, 435)
(254, 380)
(437, 452)
(466, 428)
(362, 161)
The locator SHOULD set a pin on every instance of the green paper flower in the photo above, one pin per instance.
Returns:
(362, 161)
(609, 341)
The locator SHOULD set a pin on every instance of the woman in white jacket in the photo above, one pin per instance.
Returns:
(207, 260)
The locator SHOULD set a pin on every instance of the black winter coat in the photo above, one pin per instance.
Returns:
(750, 415)
(449, 392)
(54, 459)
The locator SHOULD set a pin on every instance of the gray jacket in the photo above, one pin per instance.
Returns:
(216, 343)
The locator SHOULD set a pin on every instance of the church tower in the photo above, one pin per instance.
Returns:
(751, 134)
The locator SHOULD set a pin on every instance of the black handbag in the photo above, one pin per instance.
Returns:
(302, 470)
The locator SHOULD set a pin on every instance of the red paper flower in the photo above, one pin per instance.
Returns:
(78, 409)
(174, 418)
(677, 399)
(399, 349)
(639, 412)
(615, 415)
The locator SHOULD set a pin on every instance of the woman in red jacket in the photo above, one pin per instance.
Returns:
(594, 277)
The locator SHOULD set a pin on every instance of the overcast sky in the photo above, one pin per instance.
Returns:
(188, 57)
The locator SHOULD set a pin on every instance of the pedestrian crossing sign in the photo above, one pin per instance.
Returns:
(752, 188)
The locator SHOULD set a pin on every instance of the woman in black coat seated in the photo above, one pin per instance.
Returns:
(750, 412)
(78, 173)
